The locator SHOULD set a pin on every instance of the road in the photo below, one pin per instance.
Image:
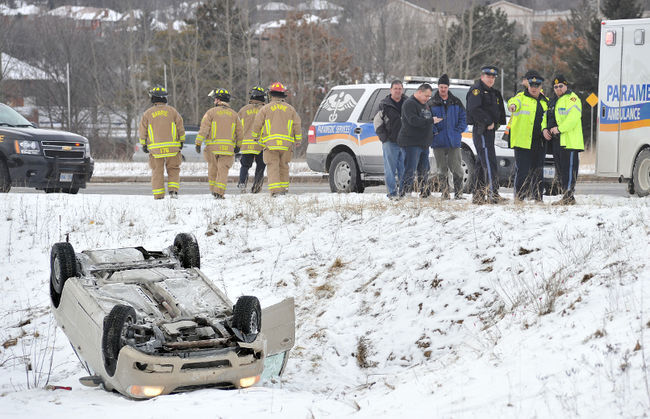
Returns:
(195, 188)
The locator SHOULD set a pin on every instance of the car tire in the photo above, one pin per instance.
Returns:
(63, 265)
(641, 173)
(186, 249)
(468, 163)
(52, 190)
(115, 333)
(5, 179)
(72, 190)
(344, 174)
(247, 317)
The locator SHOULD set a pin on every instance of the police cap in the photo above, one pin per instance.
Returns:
(560, 79)
(535, 79)
(490, 70)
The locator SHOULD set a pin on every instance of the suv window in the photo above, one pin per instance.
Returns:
(373, 105)
(10, 117)
(338, 105)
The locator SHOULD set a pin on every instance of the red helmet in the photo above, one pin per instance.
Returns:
(278, 87)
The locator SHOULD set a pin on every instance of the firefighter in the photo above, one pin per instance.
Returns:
(565, 121)
(221, 129)
(486, 112)
(162, 135)
(249, 148)
(278, 127)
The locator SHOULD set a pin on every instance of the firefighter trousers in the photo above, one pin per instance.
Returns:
(218, 166)
(277, 170)
(158, 166)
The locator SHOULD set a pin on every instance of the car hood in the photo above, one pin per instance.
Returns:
(41, 134)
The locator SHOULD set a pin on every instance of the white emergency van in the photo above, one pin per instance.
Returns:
(623, 148)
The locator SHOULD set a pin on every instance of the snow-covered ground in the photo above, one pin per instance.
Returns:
(416, 308)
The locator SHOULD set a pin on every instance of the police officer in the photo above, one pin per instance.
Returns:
(565, 131)
(527, 122)
(250, 149)
(486, 112)
(278, 127)
(221, 129)
(162, 135)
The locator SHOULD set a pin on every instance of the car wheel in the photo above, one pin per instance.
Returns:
(630, 187)
(641, 173)
(5, 180)
(469, 169)
(186, 250)
(72, 190)
(344, 174)
(63, 264)
(115, 334)
(247, 317)
(52, 190)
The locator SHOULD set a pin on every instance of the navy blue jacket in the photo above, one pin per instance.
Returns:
(417, 124)
(485, 106)
(448, 132)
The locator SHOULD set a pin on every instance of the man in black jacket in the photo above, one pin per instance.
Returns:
(415, 137)
(486, 112)
(387, 126)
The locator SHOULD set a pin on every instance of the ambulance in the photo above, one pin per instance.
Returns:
(623, 148)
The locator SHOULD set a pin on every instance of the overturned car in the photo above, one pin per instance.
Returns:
(146, 323)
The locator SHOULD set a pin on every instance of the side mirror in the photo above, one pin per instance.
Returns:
(34, 124)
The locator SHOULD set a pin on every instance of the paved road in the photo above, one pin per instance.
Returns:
(194, 188)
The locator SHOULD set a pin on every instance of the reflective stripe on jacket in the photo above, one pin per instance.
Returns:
(523, 119)
(568, 115)
(277, 125)
(247, 114)
(220, 129)
(161, 129)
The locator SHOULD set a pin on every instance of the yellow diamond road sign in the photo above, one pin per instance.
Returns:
(592, 100)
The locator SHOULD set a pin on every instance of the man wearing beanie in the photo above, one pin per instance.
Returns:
(449, 124)
(564, 129)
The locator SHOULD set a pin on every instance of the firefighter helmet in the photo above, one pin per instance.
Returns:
(221, 94)
(158, 91)
(258, 93)
(278, 87)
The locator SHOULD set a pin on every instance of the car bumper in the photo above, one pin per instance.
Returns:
(44, 172)
(176, 374)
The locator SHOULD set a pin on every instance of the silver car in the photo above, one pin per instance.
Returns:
(146, 323)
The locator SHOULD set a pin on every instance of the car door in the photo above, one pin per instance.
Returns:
(370, 150)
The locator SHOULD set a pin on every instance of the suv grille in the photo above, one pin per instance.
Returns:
(63, 150)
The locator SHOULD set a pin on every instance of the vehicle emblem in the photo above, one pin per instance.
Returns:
(66, 148)
(339, 102)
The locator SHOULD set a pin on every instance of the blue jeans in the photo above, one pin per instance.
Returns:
(415, 159)
(393, 166)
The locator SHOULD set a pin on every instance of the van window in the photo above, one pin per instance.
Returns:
(372, 106)
(338, 105)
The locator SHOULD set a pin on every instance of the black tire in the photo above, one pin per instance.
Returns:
(73, 190)
(115, 334)
(468, 164)
(247, 317)
(63, 265)
(52, 190)
(5, 179)
(641, 173)
(630, 187)
(186, 250)
(344, 174)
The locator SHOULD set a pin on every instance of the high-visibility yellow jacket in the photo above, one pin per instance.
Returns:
(277, 125)
(247, 114)
(221, 129)
(523, 119)
(162, 130)
(568, 115)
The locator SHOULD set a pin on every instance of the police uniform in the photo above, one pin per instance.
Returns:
(527, 123)
(277, 125)
(221, 129)
(162, 134)
(250, 148)
(565, 113)
(485, 107)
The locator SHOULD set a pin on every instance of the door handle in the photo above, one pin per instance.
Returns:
(357, 130)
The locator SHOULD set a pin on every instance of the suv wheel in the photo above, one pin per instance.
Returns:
(344, 174)
(641, 173)
(63, 265)
(186, 250)
(5, 180)
(115, 334)
(469, 169)
(247, 317)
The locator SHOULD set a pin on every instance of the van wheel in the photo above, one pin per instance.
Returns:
(186, 250)
(5, 180)
(344, 174)
(247, 317)
(115, 334)
(641, 175)
(63, 265)
(469, 169)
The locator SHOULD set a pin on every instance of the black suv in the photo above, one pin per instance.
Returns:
(53, 161)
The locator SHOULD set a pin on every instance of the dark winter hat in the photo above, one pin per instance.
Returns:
(559, 78)
(490, 70)
(529, 74)
(444, 79)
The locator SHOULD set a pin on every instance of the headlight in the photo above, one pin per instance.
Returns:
(249, 381)
(145, 391)
(87, 148)
(27, 147)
